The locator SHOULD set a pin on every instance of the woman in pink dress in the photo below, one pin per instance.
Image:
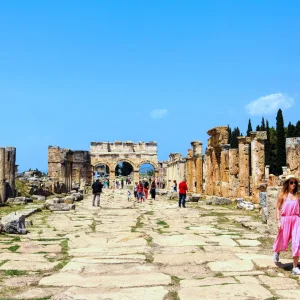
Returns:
(288, 219)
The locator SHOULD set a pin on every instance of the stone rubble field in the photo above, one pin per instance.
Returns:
(152, 251)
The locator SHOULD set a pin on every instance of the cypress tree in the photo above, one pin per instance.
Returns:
(234, 141)
(263, 126)
(249, 128)
(267, 145)
(297, 129)
(257, 128)
(229, 135)
(280, 143)
(291, 130)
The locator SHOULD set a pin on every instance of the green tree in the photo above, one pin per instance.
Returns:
(257, 128)
(229, 135)
(297, 129)
(272, 153)
(291, 130)
(280, 143)
(234, 141)
(249, 128)
(267, 145)
(263, 126)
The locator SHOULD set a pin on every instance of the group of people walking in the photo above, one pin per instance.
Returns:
(141, 190)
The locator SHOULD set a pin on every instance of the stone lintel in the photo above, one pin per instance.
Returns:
(258, 135)
(196, 143)
(216, 130)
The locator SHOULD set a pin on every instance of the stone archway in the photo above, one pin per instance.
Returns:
(135, 154)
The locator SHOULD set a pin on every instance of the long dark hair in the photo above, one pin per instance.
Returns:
(285, 187)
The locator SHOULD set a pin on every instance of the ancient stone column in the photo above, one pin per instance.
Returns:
(209, 172)
(136, 176)
(272, 195)
(190, 171)
(244, 168)
(2, 175)
(292, 146)
(257, 162)
(197, 156)
(10, 170)
(224, 170)
(233, 173)
(267, 172)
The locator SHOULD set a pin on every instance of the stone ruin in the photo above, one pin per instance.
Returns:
(69, 169)
(7, 173)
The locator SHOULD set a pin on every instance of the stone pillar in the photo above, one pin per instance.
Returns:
(209, 172)
(197, 155)
(2, 175)
(136, 175)
(244, 169)
(189, 175)
(112, 177)
(257, 162)
(10, 171)
(267, 172)
(224, 170)
(292, 146)
(233, 173)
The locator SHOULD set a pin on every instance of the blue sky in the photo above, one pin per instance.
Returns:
(72, 72)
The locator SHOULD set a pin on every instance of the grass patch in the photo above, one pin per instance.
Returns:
(151, 213)
(65, 256)
(149, 258)
(13, 248)
(172, 296)
(61, 234)
(3, 262)
(175, 280)
(201, 247)
(149, 240)
(16, 239)
(139, 224)
(162, 223)
(14, 273)
(218, 274)
(93, 226)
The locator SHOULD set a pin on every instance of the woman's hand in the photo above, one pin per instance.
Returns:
(279, 225)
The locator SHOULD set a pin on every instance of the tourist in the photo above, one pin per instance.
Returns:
(129, 195)
(182, 193)
(135, 191)
(175, 186)
(97, 190)
(122, 183)
(140, 192)
(288, 221)
(163, 184)
(153, 190)
(146, 188)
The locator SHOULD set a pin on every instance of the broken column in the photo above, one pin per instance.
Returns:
(197, 156)
(190, 171)
(244, 168)
(258, 163)
(224, 170)
(233, 173)
(2, 175)
(10, 171)
(292, 146)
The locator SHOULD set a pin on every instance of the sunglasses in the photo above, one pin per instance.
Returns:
(293, 182)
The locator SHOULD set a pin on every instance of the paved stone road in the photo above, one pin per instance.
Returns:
(151, 251)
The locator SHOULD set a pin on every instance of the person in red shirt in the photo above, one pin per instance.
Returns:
(182, 193)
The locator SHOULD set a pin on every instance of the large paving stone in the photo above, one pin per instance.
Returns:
(179, 240)
(38, 293)
(278, 283)
(225, 292)
(288, 294)
(23, 257)
(231, 265)
(28, 265)
(249, 243)
(147, 293)
(129, 280)
(207, 281)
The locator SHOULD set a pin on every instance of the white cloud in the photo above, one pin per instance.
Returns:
(158, 113)
(269, 104)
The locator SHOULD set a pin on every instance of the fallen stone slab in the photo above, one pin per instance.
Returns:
(15, 222)
(38, 197)
(225, 292)
(60, 207)
(122, 281)
(147, 293)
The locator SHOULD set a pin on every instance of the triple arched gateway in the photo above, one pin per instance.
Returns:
(68, 168)
(136, 154)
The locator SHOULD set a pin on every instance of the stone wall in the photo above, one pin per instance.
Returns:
(292, 146)
(60, 164)
(82, 171)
